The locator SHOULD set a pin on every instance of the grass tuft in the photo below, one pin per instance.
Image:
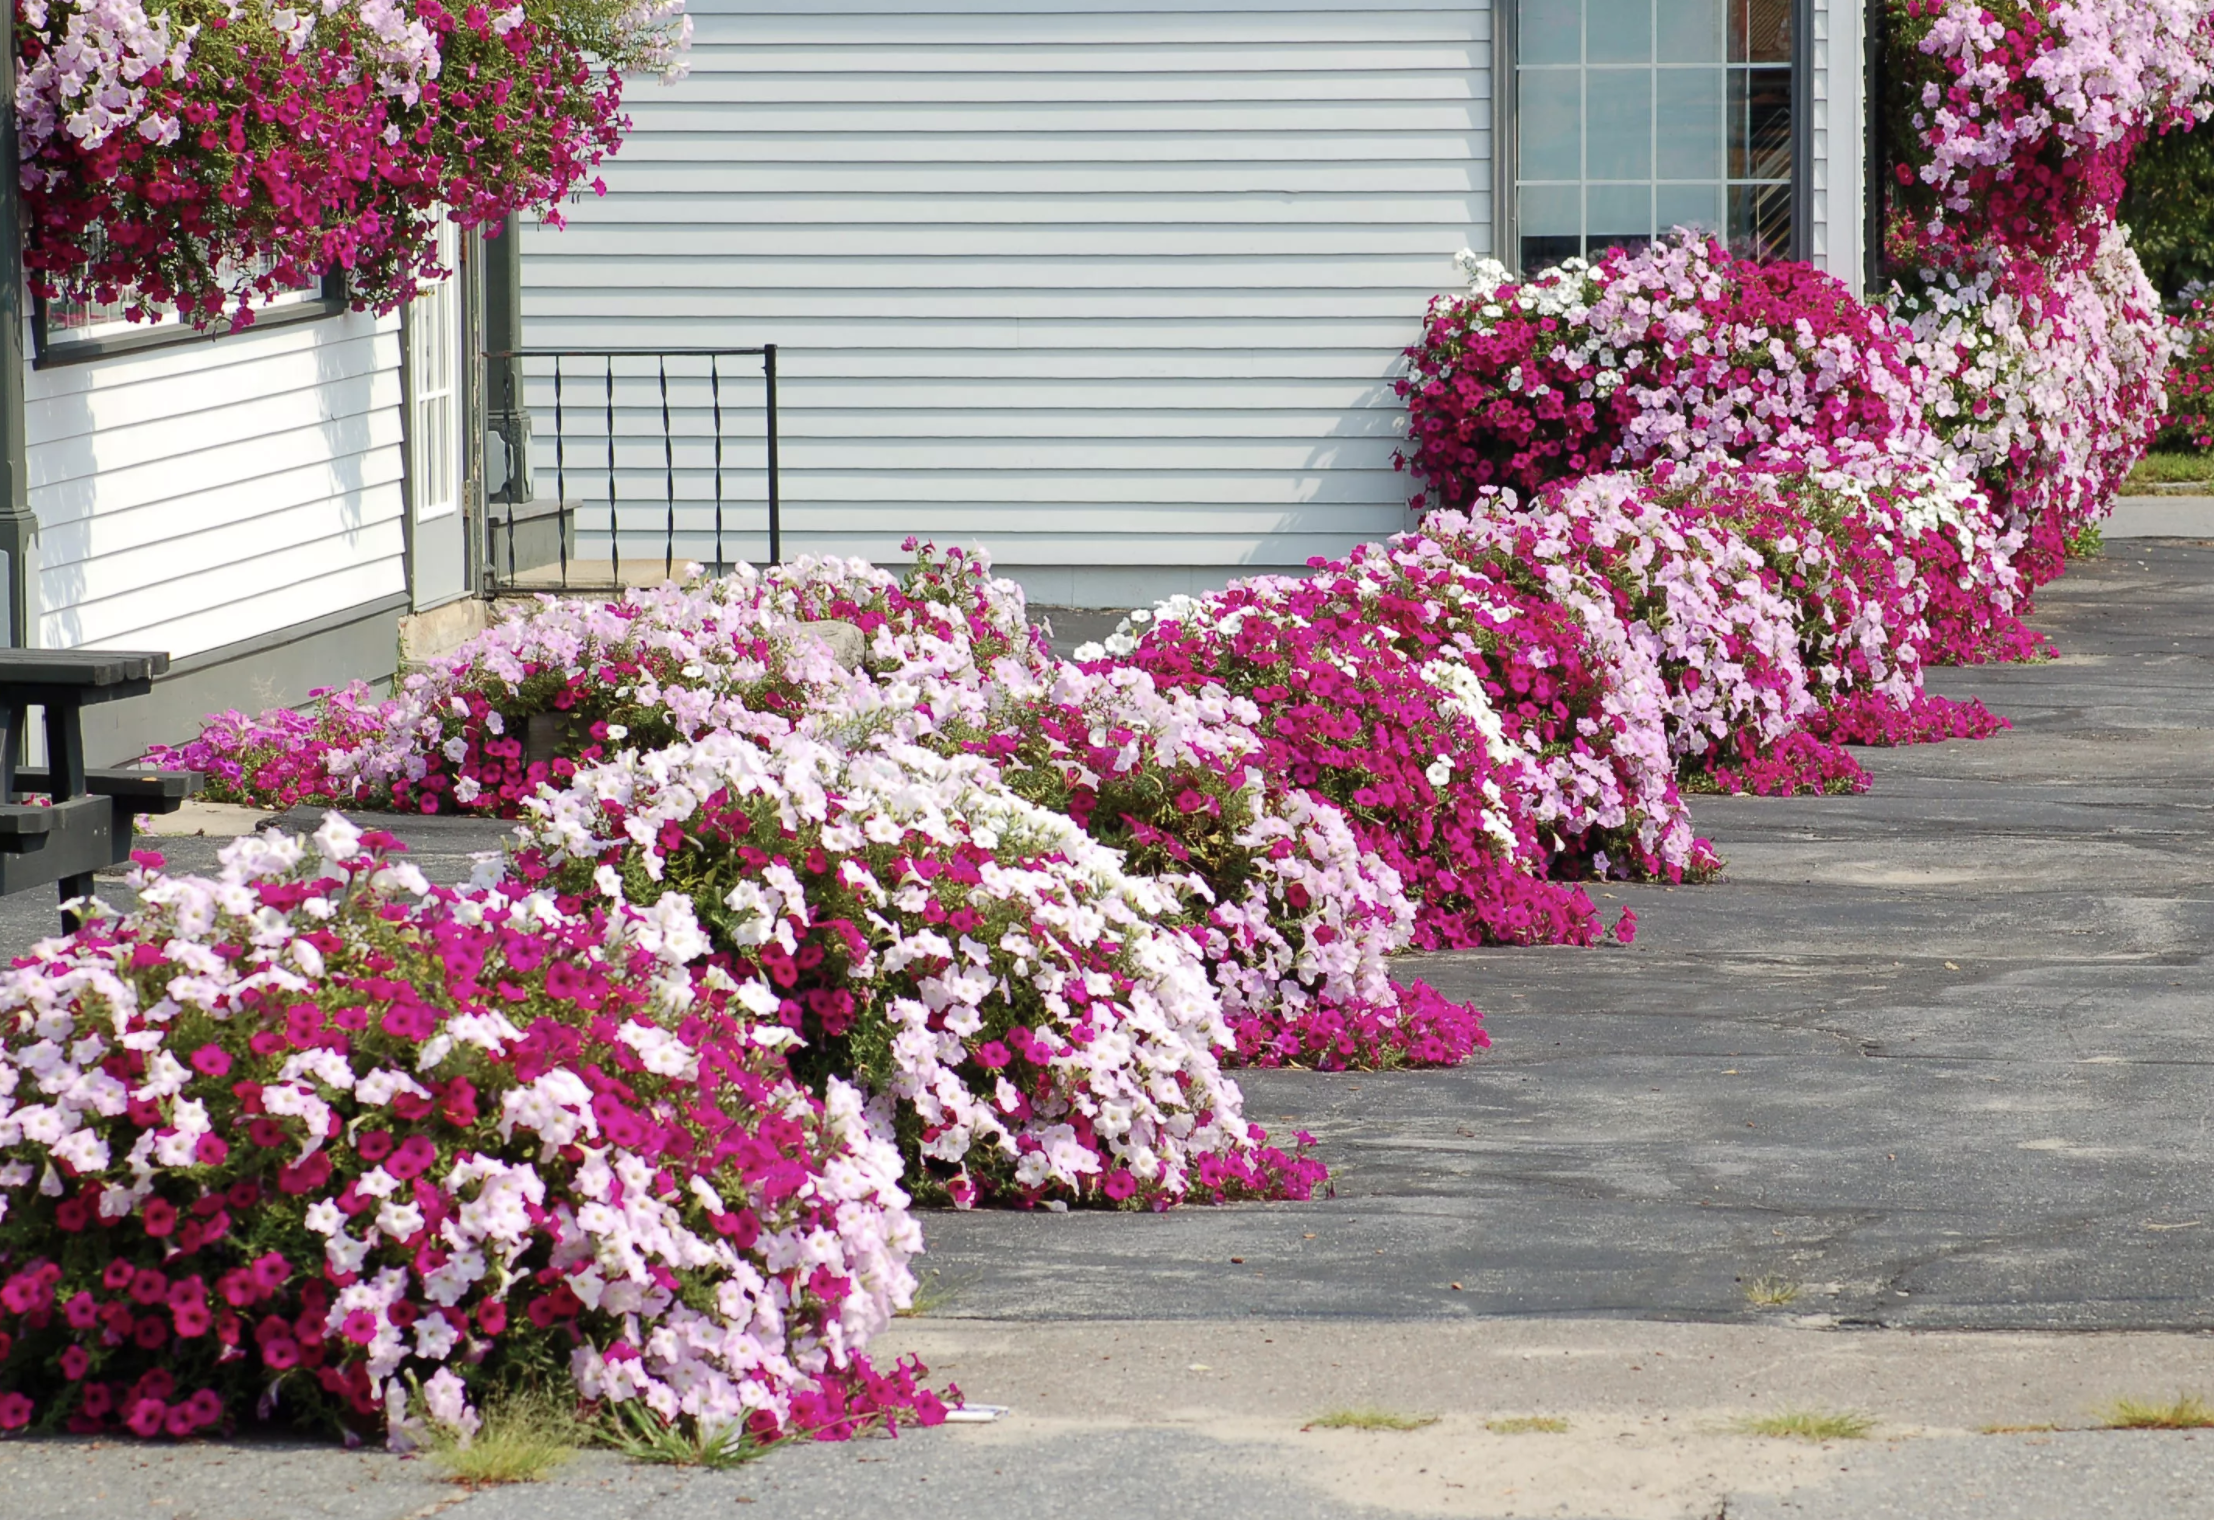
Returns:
(643, 1436)
(2015, 1430)
(1368, 1419)
(1528, 1425)
(933, 1293)
(526, 1433)
(2186, 1412)
(1808, 1425)
(1770, 1292)
(2171, 467)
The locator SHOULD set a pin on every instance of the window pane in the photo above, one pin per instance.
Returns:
(1697, 206)
(1549, 128)
(1760, 31)
(1552, 210)
(1618, 112)
(1690, 31)
(1618, 215)
(1760, 221)
(1760, 124)
(1688, 117)
(1550, 31)
(1544, 252)
(1618, 31)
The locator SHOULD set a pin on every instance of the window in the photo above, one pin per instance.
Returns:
(434, 385)
(1635, 116)
(71, 332)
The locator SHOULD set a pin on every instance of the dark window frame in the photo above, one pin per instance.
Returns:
(1506, 235)
(53, 353)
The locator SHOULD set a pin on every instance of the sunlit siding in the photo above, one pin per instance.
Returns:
(196, 497)
(1118, 293)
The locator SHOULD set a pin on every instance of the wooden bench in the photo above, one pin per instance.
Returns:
(84, 825)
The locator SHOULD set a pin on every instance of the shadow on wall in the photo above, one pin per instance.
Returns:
(180, 487)
(192, 498)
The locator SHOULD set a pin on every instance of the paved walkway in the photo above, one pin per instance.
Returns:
(1932, 1059)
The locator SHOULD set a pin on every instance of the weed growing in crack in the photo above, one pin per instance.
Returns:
(525, 1434)
(1368, 1419)
(2187, 1411)
(1527, 1425)
(1771, 1292)
(1807, 1425)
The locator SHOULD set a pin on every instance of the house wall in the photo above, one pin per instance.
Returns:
(236, 503)
(1836, 226)
(1117, 291)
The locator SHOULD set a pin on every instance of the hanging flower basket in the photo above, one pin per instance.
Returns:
(187, 156)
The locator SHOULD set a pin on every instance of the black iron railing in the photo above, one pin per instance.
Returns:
(653, 457)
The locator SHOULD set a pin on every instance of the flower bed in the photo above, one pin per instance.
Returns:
(1047, 1033)
(311, 1135)
(1300, 923)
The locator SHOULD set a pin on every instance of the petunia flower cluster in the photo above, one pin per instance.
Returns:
(1297, 920)
(190, 155)
(2018, 117)
(314, 1137)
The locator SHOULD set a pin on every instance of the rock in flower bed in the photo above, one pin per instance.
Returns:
(314, 1137)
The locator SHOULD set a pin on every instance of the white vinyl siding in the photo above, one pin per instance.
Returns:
(1835, 233)
(193, 497)
(1118, 293)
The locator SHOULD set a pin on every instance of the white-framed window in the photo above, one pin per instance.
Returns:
(434, 385)
(74, 332)
(1635, 116)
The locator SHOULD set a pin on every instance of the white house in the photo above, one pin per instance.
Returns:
(1120, 290)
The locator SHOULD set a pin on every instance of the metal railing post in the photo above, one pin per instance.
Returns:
(520, 516)
(776, 515)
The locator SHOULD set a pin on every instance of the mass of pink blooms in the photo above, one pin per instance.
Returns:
(188, 157)
(2020, 116)
(786, 940)
(314, 1135)
(2191, 381)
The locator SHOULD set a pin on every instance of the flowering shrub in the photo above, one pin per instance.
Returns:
(313, 1135)
(1047, 1035)
(2046, 382)
(1678, 352)
(524, 703)
(1299, 920)
(1478, 732)
(2020, 116)
(198, 152)
(2008, 404)
(1301, 923)
(281, 758)
(2190, 420)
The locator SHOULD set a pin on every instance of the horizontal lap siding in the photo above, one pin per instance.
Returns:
(1102, 289)
(194, 497)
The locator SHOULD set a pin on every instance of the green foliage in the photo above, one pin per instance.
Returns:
(643, 1436)
(2185, 1412)
(1369, 1419)
(527, 1432)
(1808, 1425)
(2169, 209)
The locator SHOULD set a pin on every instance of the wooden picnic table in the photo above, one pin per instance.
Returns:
(83, 824)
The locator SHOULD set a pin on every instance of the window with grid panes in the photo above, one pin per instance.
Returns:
(1635, 116)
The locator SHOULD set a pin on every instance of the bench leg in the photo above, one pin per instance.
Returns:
(65, 769)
